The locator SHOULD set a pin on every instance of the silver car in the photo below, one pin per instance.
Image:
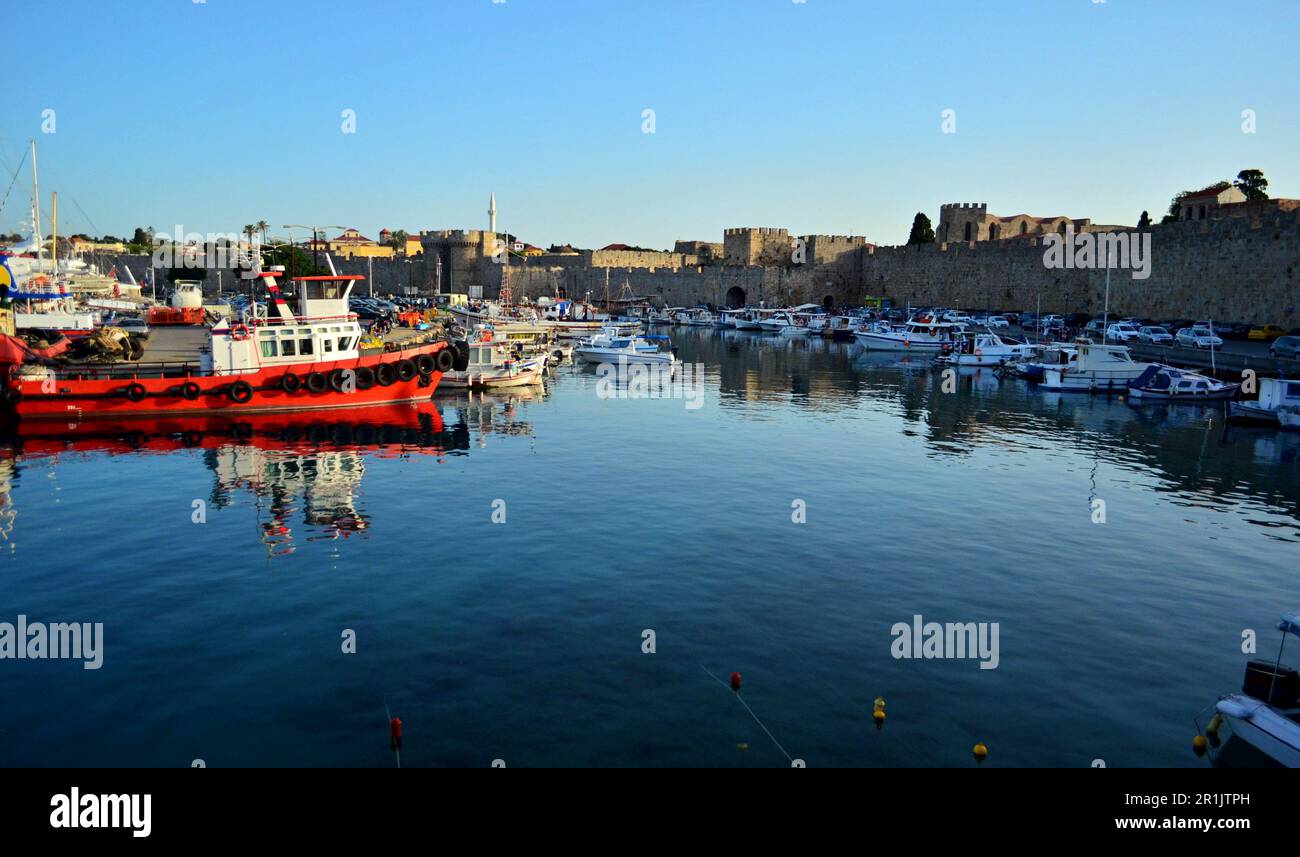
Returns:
(1286, 346)
(1155, 336)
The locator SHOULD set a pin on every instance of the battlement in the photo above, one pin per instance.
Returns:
(757, 230)
(975, 207)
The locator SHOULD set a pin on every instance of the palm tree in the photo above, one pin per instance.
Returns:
(262, 226)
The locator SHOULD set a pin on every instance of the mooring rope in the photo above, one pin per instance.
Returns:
(751, 713)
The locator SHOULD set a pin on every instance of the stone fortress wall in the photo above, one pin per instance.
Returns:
(1242, 263)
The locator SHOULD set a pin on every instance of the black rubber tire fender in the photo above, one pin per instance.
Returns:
(240, 392)
(316, 383)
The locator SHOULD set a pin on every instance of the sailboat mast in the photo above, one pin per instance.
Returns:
(36, 204)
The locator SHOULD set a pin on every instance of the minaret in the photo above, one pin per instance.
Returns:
(492, 215)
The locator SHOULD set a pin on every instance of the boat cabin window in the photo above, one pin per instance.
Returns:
(288, 348)
(268, 348)
(329, 290)
(343, 342)
(329, 345)
(305, 346)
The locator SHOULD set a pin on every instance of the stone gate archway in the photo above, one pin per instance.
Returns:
(735, 297)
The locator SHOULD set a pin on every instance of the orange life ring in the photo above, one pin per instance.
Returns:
(239, 332)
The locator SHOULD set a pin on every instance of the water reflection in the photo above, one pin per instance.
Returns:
(1187, 450)
(305, 466)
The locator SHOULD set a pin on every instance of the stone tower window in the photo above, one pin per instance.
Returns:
(1024, 227)
(1061, 228)
(967, 232)
(993, 232)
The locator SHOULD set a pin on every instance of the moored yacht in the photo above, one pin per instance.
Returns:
(920, 334)
(1097, 369)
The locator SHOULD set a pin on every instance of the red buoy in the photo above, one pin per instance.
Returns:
(395, 733)
(735, 682)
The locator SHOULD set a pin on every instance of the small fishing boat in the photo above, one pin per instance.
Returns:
(1274, 394)
(496, 364)
(1167, 384)
(798, 325)
(750, 319)
(1098, 369)
(1265, 716)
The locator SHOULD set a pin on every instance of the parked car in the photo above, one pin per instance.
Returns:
(1155, 335)
(1266, 332)
(1286, 346)
(1198, 337)
(1121, 332)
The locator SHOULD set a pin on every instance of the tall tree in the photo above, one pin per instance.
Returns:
(1253, 184)
(922, 232)
(1144, 222)
(262, 226)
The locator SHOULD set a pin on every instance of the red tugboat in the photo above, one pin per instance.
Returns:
(271, 362)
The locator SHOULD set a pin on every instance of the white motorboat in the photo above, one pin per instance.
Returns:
(1097, 369)
(989, 349)
(776, 321)
(1274, 394)
(699, 317)
(610, 346)
(1167, 384)
(920, 334)
(1265, 716)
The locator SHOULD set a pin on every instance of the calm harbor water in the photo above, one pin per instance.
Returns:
(522, 641)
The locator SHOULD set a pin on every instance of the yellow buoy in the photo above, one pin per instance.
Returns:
(1215, 722)
(981, 752)
(1198, 744)
(880, 703)
(744, 748)
(879, 715)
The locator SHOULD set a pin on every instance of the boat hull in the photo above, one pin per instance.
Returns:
(885, 342)
(79, 393)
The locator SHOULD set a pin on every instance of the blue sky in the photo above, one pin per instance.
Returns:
(823, 117)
